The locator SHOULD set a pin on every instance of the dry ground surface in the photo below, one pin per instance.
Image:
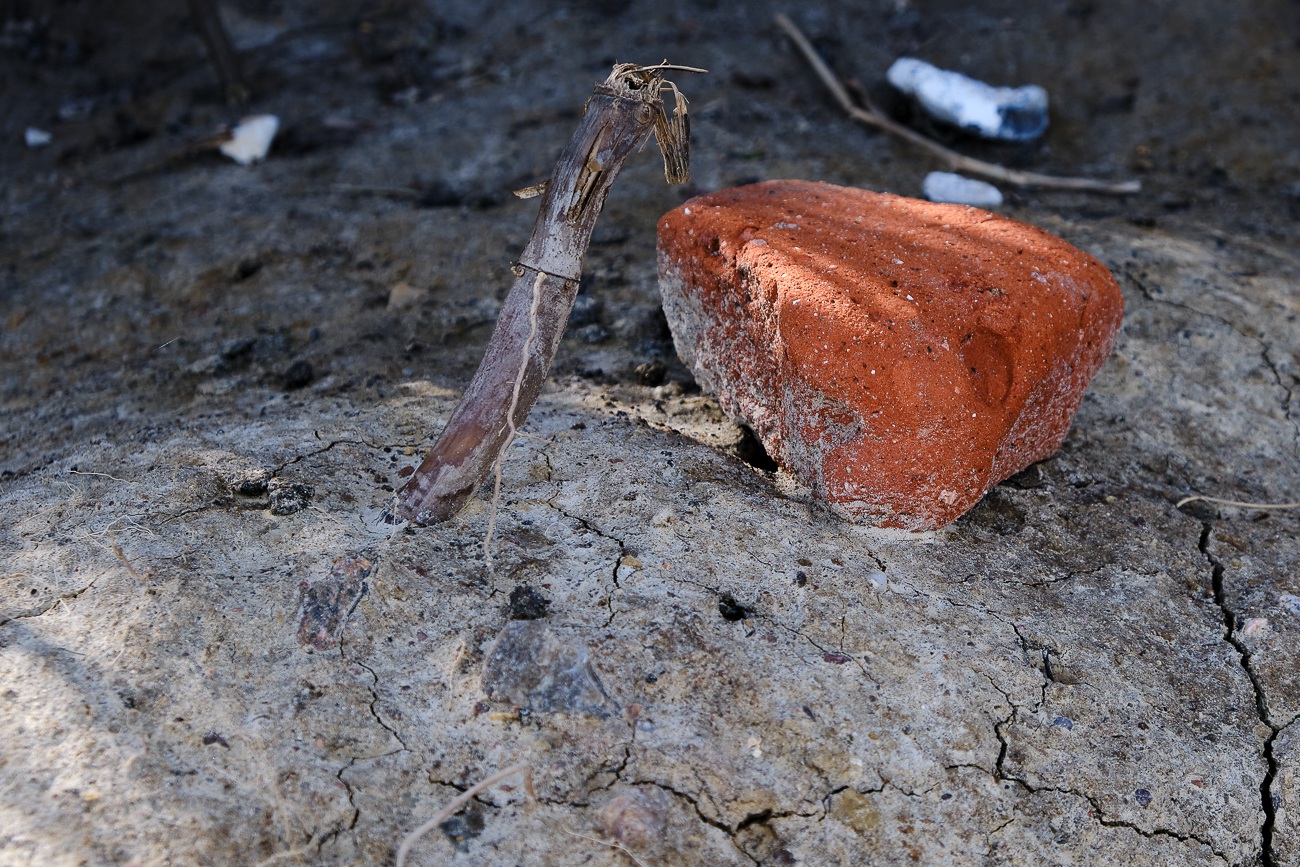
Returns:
(213, 651)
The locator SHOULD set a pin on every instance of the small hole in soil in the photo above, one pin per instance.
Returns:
(751, 451)
(731, 610)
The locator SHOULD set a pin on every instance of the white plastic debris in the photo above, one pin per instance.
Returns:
(959, 190)
(37, 138)
(1008, 113)
(251, 139)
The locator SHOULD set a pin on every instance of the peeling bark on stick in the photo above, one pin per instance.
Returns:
(619, 117)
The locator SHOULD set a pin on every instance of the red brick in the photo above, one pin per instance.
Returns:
(899, 357)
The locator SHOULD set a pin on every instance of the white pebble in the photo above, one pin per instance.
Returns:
(959, 190)
(250, 141)
(37, 138)
(1008, 113)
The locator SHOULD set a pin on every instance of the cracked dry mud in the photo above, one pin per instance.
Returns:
(1075, 672)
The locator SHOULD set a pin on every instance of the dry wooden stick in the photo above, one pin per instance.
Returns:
(874, 117)
(620, 115)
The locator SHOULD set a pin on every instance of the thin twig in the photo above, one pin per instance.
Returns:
(446, 812)
(879, 120)
(1201, 497)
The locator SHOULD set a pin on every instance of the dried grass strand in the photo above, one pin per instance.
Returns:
(613, 844)
(448, 811)
(1207, 499)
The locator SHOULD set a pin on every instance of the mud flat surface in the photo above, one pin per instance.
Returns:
(212, 376)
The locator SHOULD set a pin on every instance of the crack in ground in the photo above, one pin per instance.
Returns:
(824, 651)
(1000, 773)
(592, 528)
(1288, 390)
(1098, 814)
(716, 823)
(374, 699)
(1269, 800)
(1265, 349)
(311, 454)
(356, 811)
(5, 621)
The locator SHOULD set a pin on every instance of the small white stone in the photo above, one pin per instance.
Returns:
(251, 139)
(37, 138)
(1008, 113)
(1255, 626)
(959, 190)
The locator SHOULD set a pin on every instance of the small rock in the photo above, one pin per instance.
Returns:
(1142, 796)
(530, 666)
(251, 139)
(299, 374)
(327, 604)
(526, 603)
(636, 818)
(36, 138)
(461, 830)
(1255, 626)
(250, 483)
(896, 356)
(403, 296)
(959, 190)
(289, 497)
(651, 373)
(1008, 113)
(1291, 603)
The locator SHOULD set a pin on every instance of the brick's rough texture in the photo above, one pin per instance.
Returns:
(899, 357)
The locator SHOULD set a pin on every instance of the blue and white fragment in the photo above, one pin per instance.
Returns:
(959, 190)
(251, 139)
(1008, 113)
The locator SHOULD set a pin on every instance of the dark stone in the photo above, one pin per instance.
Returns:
(527, 604)
(300, 373)
(460, 830)
(651, 373)
(289, 497)
(250, 483)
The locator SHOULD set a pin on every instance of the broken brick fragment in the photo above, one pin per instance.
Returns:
(899, 357)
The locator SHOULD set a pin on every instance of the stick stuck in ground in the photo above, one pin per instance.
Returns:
(620, 115)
